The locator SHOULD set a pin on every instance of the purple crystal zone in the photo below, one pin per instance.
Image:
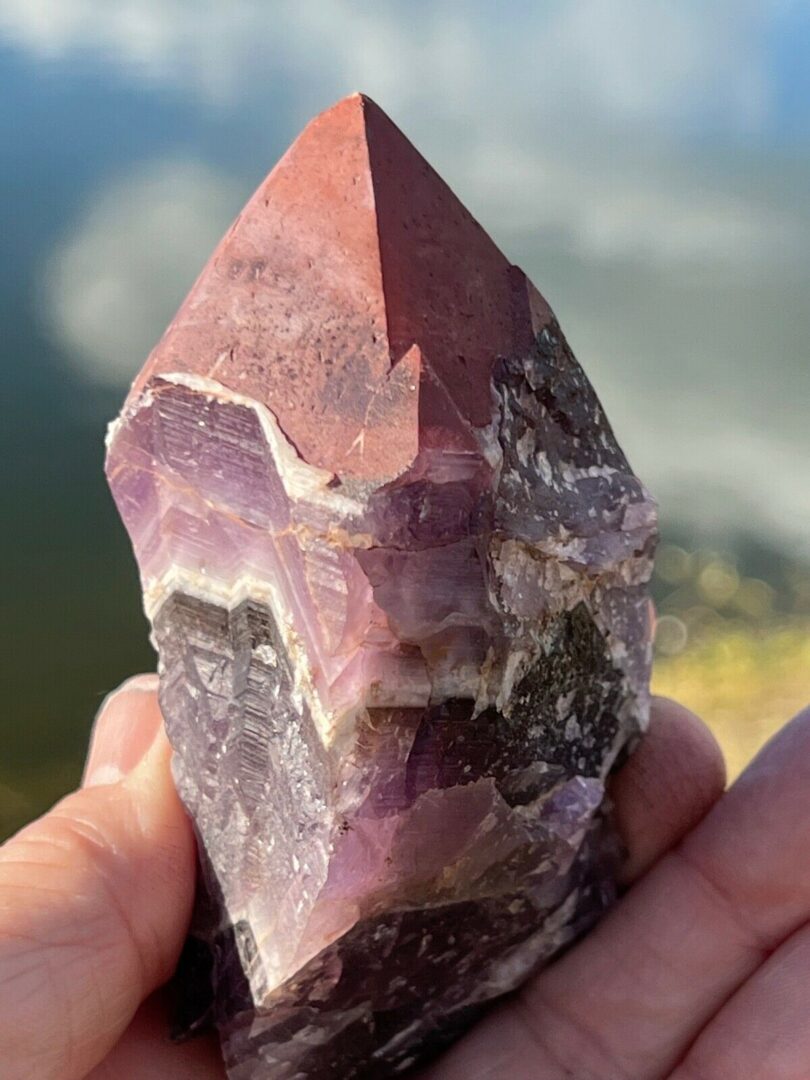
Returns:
(396, 685)
(473, 853)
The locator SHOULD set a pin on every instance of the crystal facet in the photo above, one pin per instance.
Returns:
(395, 565)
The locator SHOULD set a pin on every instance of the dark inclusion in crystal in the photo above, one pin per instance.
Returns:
(395, 564)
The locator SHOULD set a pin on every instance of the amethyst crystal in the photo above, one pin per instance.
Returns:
(395, 564)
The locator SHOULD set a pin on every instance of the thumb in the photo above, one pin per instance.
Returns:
(95, 899)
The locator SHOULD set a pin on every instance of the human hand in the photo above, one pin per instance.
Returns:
(698, 972)
(95, 899)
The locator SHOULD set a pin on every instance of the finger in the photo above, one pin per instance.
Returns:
(669, 784)
(764, 1030)
(124, 729)
(145, 1051)
(638, 990)
(94, 901)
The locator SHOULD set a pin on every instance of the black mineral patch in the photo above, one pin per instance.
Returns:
(570, 698)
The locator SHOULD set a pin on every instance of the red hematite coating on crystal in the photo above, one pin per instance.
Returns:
(328, 300)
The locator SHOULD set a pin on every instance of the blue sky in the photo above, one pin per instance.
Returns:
(789, 52)
(647, 162)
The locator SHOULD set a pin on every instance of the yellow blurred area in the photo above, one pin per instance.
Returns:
(734, 648)
(744, 681)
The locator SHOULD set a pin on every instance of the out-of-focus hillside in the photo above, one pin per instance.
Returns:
(735, 649)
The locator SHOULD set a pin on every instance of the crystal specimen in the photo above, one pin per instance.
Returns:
(395, 565)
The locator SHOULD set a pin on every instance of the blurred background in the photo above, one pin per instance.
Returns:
(646, 162)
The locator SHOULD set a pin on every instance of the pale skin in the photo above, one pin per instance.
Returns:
(699, 973)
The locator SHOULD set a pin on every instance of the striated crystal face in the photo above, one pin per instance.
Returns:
(395, 565)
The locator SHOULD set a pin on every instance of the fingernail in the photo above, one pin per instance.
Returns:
(125, 727)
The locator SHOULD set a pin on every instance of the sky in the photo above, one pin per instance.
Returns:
(647, 163)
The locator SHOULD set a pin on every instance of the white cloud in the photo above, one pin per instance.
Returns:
(223, 53)
(728, 478)
(558, 119)
(705, 383)
(626, 58)
(661, 61)
(116, 280)
(133, 32)
(662, 211)
(712, 470)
